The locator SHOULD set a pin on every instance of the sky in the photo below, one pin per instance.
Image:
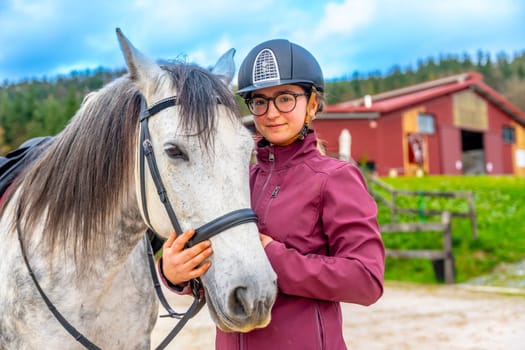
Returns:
(47, 38)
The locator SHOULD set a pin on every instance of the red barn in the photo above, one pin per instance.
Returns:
(454, 125)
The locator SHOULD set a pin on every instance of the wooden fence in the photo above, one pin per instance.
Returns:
(437, 256)
(442, 259)
(395, 209)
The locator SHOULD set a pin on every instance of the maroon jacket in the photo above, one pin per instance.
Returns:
(327, 247)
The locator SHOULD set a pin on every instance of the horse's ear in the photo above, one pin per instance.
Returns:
(139, 65)
(225, 67)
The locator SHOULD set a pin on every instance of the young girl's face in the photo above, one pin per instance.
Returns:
(276, 126)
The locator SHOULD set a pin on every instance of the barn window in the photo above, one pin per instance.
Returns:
(509, 135)
(425, 124)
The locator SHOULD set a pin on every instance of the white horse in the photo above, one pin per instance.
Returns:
(77, 212)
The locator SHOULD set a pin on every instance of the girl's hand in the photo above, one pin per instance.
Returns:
(265, 239)
(180, 265)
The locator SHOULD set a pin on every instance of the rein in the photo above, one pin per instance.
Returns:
(204, 232)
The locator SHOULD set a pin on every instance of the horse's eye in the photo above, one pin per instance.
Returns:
(175, 152)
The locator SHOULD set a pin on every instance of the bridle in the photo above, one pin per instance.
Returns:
(204, 232)
(224, 222)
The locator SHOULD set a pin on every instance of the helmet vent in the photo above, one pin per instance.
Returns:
(265, 67)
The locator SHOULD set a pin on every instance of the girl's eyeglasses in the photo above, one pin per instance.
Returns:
(284, 102)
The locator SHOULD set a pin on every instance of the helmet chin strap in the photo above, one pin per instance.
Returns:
(307, 120)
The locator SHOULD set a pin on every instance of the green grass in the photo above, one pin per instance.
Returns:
(500, 209)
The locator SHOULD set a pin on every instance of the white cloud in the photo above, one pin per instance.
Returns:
(223, 45)
(345, 18)
(41, 37)
(33, 9)
(19, 17)
(464, 9)
(207, 57)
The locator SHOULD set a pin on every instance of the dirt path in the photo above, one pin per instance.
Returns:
(407, 317)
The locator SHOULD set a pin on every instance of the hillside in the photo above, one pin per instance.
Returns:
(44, 106)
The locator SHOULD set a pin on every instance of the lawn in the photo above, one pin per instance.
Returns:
(500, 209)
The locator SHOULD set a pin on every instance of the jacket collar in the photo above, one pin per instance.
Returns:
(285, 155)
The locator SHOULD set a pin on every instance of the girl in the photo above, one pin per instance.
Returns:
(317, 221)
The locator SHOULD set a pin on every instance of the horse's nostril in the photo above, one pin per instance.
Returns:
(238, 301)
(267, 303)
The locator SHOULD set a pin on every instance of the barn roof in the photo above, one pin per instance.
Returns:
(375, 105)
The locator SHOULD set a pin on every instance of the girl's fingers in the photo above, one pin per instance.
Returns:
(199, 258)
(170, 240)
(180, 264)
(198, 248)
(199, 271)
(183, 239)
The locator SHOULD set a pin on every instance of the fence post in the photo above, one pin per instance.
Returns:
(447, 244)
(393, 209)
(473, 218)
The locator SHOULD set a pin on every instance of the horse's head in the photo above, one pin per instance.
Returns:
(202, 152)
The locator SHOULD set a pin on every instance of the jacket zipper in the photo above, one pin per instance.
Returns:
(268, 206)
(271, 158)
(241, 341)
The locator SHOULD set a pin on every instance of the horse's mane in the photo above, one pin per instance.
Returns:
(82, 179)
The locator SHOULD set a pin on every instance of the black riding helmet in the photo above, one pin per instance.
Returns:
(278, 62)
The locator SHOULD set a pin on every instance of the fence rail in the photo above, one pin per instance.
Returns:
(444, 255)
(395, 209)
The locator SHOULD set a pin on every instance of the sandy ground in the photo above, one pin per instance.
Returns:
(407, 317)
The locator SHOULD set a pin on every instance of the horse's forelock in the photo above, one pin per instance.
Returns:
(198, 92)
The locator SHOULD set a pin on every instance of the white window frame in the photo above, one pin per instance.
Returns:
(426, 124)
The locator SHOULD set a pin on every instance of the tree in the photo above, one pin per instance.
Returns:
(43, 107)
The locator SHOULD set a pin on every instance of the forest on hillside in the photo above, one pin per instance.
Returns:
(40, 107)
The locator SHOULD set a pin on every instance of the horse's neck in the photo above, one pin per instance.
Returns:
(126, 234)
(101, 266)
(121, 244)
(116, 298)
